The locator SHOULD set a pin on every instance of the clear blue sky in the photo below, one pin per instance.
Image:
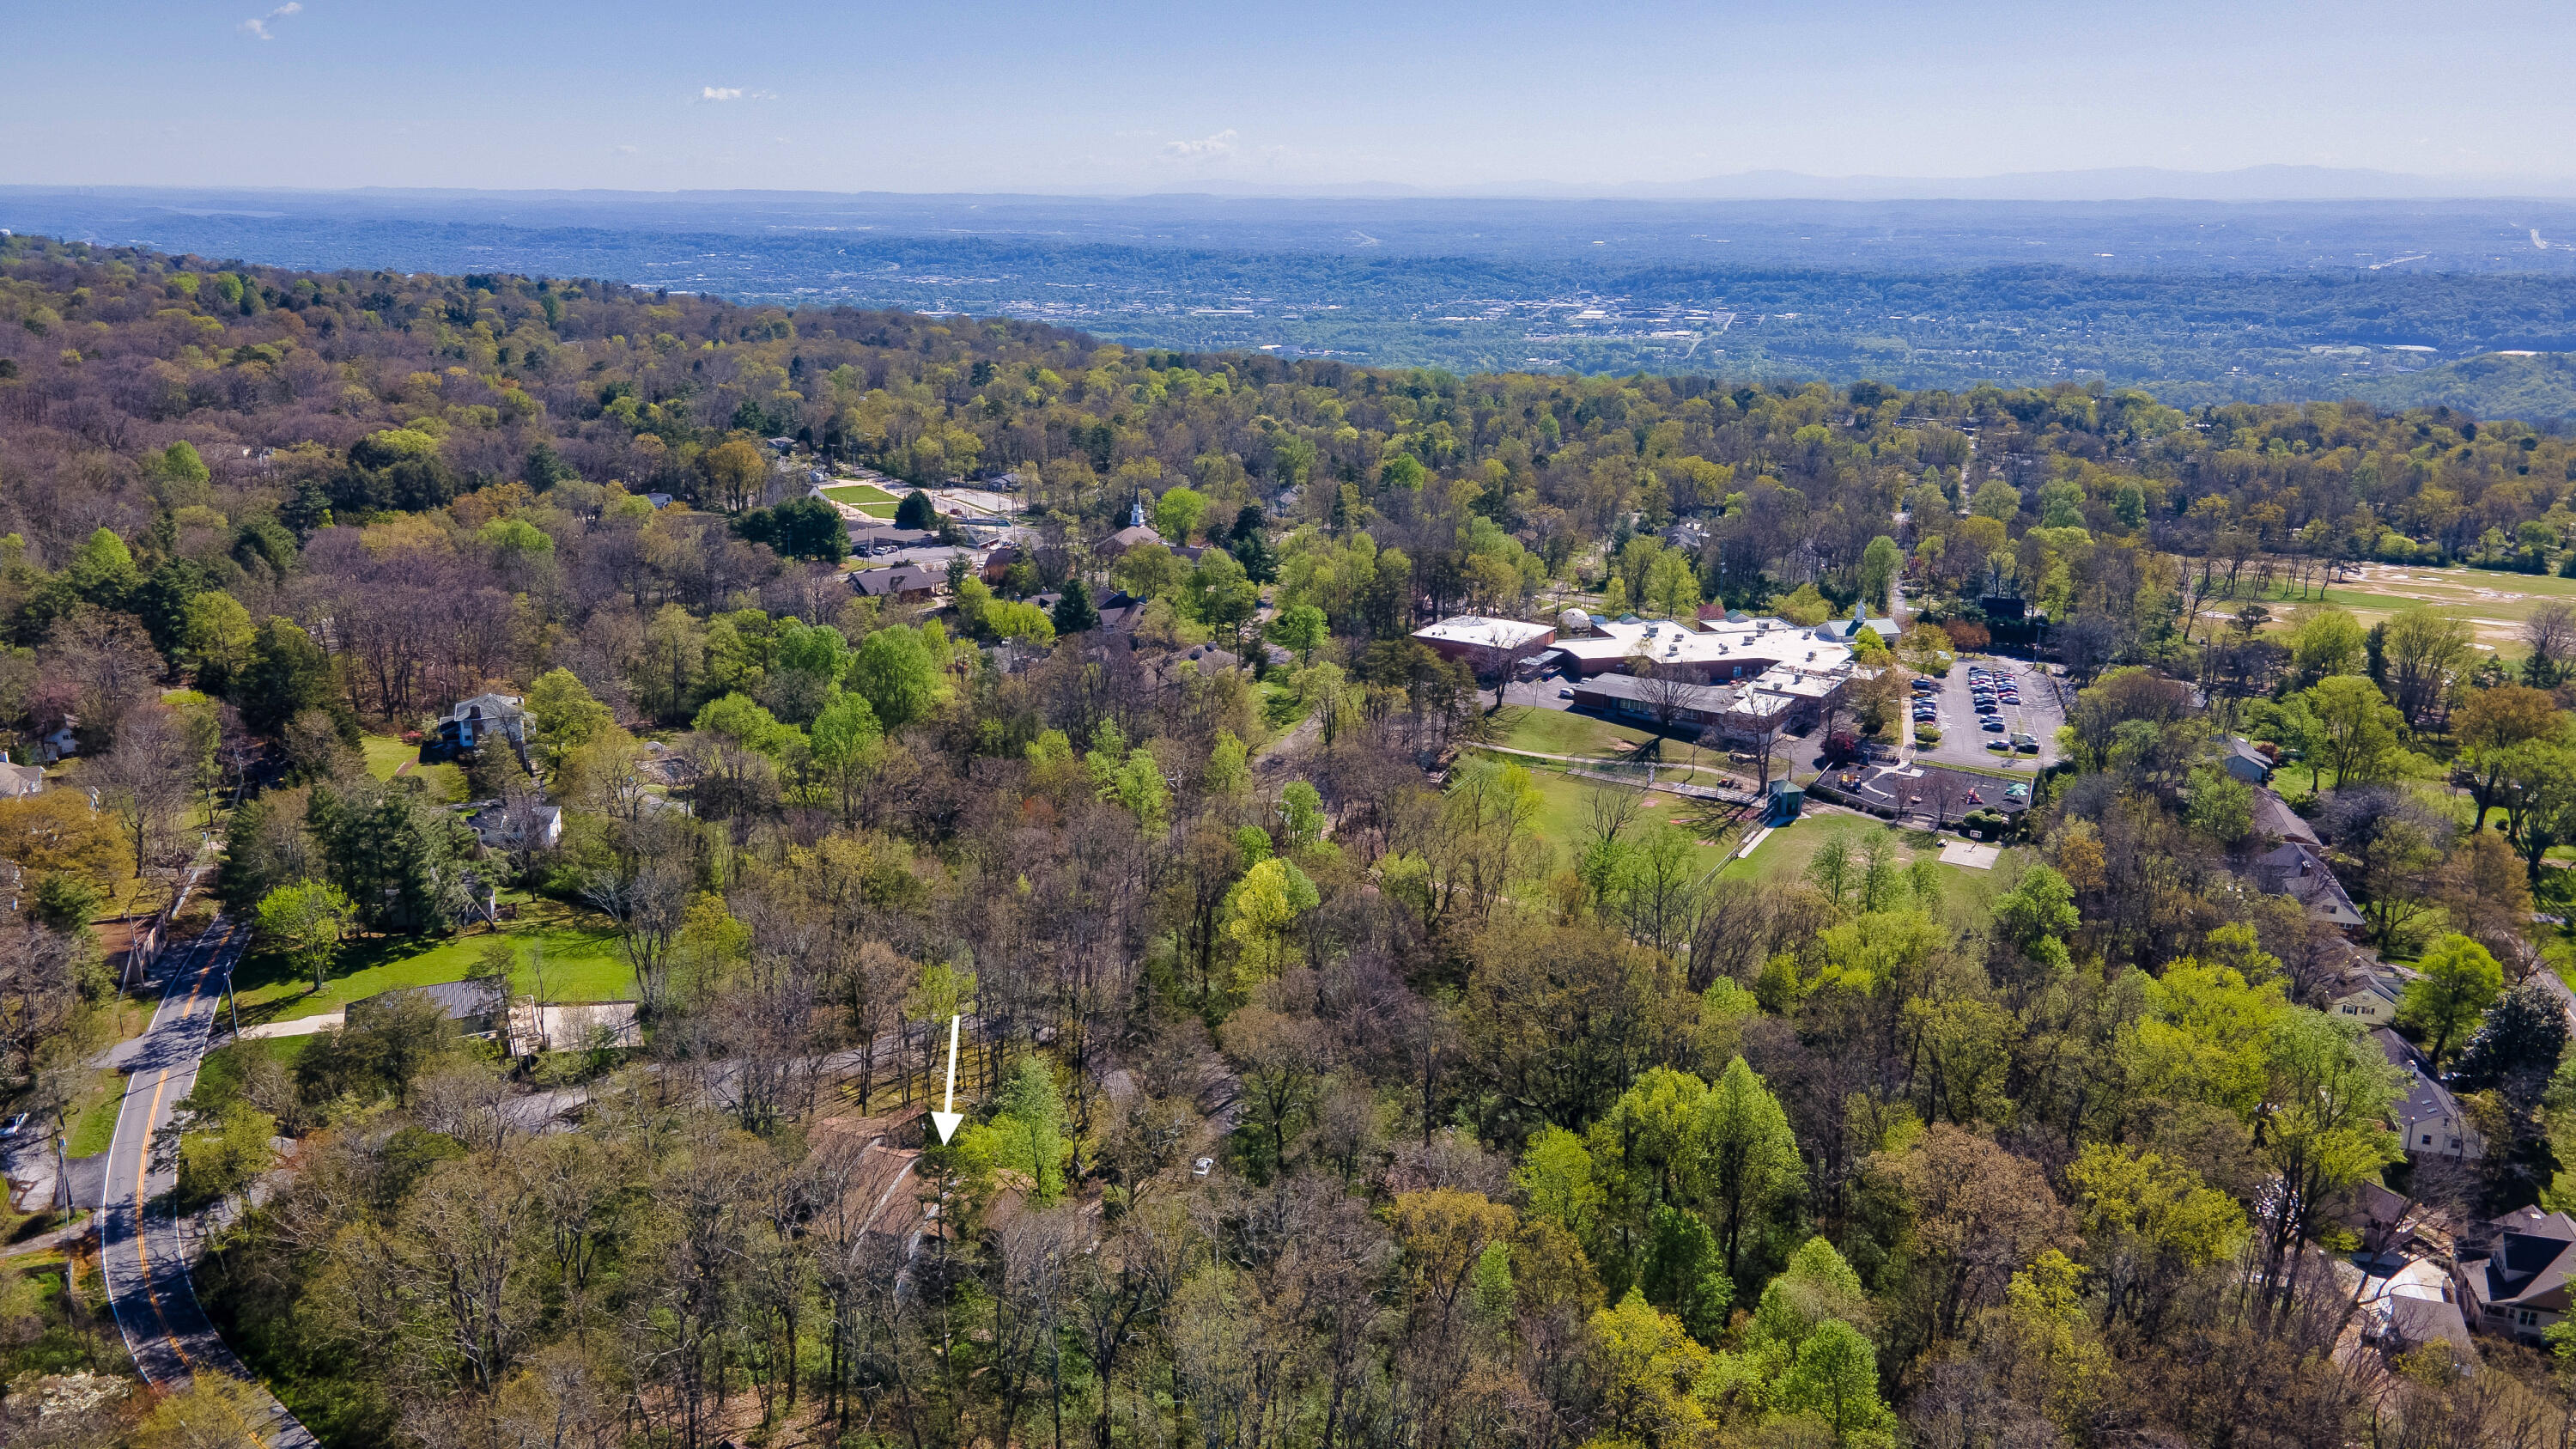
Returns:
(1134, 96)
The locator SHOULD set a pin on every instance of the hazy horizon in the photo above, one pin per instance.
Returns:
(1110, 99)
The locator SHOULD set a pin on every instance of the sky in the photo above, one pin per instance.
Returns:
(1070, 97)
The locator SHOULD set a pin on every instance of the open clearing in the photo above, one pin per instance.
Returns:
(1782, 857)
(386, 757)
(1563, 732)
(2495, 603)
(578, 949)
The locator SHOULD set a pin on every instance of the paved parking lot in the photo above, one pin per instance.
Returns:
(1964, 743)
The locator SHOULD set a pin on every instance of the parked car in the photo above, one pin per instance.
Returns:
(16, 1125)
(1992, 725)
(1565, 694)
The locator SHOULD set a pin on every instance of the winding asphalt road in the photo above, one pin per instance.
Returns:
(140, 1249)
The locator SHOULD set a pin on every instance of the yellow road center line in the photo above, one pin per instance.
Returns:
(143, 1166)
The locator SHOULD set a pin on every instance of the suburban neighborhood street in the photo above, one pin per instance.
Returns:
(141, 1249)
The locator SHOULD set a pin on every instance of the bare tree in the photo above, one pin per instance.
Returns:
(2550, 634)
(146, 780)
(647, 906)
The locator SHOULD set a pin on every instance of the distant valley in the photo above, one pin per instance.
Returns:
(2395, 301)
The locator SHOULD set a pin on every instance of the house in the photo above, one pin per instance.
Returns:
(659, 501)
(998, 563)
(2274, 817)
(2513, 1281)
(2401, 1053)
(2431, 1121)
(904, 583)
(2299, 870)
(59, 743)
(17, 782)
(476, 722)
(1120, 613)
(2246, 761)
(535, 827)
(2365, 994)
(1486, 646)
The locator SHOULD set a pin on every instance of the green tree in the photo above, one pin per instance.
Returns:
(1220, 596)
(1996, 499)
(563, 716)
(1671, 589)
(216, 635)
(2325, 1110)
(2490, 725)
(2324, 640)
(306, 921)
(1682, 1274)
(1878, 568)
(2358, 727)
(895, 673)
(1300, 627)
(1177, 513)
(1754, 1167)
(914, 510)
(288, 673)
(846, 736)
(1835, 1378)
(1074, 613)
(2459, 981)
(1027, 1134)
(221, 1158)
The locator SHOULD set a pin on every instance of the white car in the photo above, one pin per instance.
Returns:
(1202, 1167)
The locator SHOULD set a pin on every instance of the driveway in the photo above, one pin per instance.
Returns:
(143, 1250)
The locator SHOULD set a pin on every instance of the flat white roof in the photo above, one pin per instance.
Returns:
(1477, 629)
(1713, 642)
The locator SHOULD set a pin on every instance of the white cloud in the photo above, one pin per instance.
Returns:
(734, 93)
(258, 24)
(1206, 148)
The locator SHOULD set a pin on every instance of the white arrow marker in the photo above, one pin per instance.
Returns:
(946, 1121)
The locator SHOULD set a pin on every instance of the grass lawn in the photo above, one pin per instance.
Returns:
(2494, 602)
(885, 511)
(1782, 856)
(1563, 732)
(1565, 811)
(859, 495)
(579, 948)
(93, 1113)
(386, 757)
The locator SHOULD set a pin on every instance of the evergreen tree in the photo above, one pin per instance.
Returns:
(1073, 611)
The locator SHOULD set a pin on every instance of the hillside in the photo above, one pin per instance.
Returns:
(1349, 1040)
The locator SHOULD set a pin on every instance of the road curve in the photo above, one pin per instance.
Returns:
(140, 1252)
